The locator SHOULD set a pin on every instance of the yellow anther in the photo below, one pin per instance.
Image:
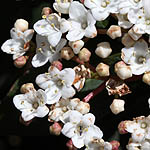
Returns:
(52, 24)
(44, 16)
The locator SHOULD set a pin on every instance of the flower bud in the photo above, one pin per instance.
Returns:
(122, 127)
(57, 64)
(103, 49)
(146, 78)
(25, 88)
(127, 40)
(117, 106)
(67, 53)
(70, 145)
(122, 70)
(115, 145)
(114, 31)
(84, 55)
(73, 103)
(83, 107)
(102, 69)
(76, 46)
(55, 128)
(134, 35)
(20, 61)
(21, 25)
(46, 11)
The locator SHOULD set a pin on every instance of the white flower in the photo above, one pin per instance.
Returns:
(19, 42)
(126, 6)
(82, 22)
(46, 52)
(138, 57)
(53, 26)
(31, 104)
(80, 128)
(57, 83)
(62, 6)
(102, 8)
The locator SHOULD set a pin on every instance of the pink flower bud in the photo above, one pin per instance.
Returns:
(115, 145)
(46, 11)
(84, 55)
(57, 64)
(20, 61)
(27, 87)
(122, 127)
(21, 25)
(70, 145)
(55, 128)
(67, 53)
(26, 123)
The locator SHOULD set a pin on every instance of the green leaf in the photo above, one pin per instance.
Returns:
(102, 24)
(91, 84)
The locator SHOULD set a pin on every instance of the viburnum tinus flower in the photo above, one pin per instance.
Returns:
(18, 45)
(31, 104)
(45, 52)
(57, 83)
(82, 22)
(52, 26)
(102, 8)
(141, 18)
(62, 6)
(80, 128)
(138, 57)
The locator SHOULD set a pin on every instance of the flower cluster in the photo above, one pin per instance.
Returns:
(61, 36)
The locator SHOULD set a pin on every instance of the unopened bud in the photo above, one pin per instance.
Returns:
(55, 128)
(21, 25)
(115, 145)
(20, 61)
(67, 53)
(146, 78)
(102, 69)
(122, 70)
(117, 106)
(25, 88)
(46, 11)
(133, 33)
(70, 145)
(114, 31)
(103, 49)
(57, 64)
(83, 107)
(76, 46)
(127, 41)
(84, 55)
(122, 127)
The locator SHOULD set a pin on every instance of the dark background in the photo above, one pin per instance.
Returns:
(17, 136)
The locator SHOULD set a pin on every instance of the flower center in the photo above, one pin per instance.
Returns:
(143, 125)
(141, 60)
(35, 105)
(105, 3)
(60, 82)
(84, 25)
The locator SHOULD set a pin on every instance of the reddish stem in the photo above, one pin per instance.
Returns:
(94, 93)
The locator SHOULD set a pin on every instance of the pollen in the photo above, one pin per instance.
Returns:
(44, 16)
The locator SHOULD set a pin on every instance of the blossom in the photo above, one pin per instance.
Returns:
(19, 42)
(31, 104)
(82, 22)
(53, 26)
(80, 128)
(57, 83)
(102, 8)
(62, 6)
(138, 57)
(45, 52)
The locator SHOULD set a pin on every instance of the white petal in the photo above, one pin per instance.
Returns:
(75, 117)
(54, 38)
(92, 4)
(78, 141)
(39, 60)
(65, 25)
(68, 130)
(146, 4)
(91, 31)
(61, 44)
(88, 119)
(28, 34)
(42, 97)
(42, 111)
(27, 115)
(67, 92)
(16, 34)
(62, 7)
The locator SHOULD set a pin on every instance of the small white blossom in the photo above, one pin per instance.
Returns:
(62, 6)
(57, 83)
(82, 22)
(138, 57)
(102, 8)
(80, 128)
(53, 26)
(45, 52)
(31, 104)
